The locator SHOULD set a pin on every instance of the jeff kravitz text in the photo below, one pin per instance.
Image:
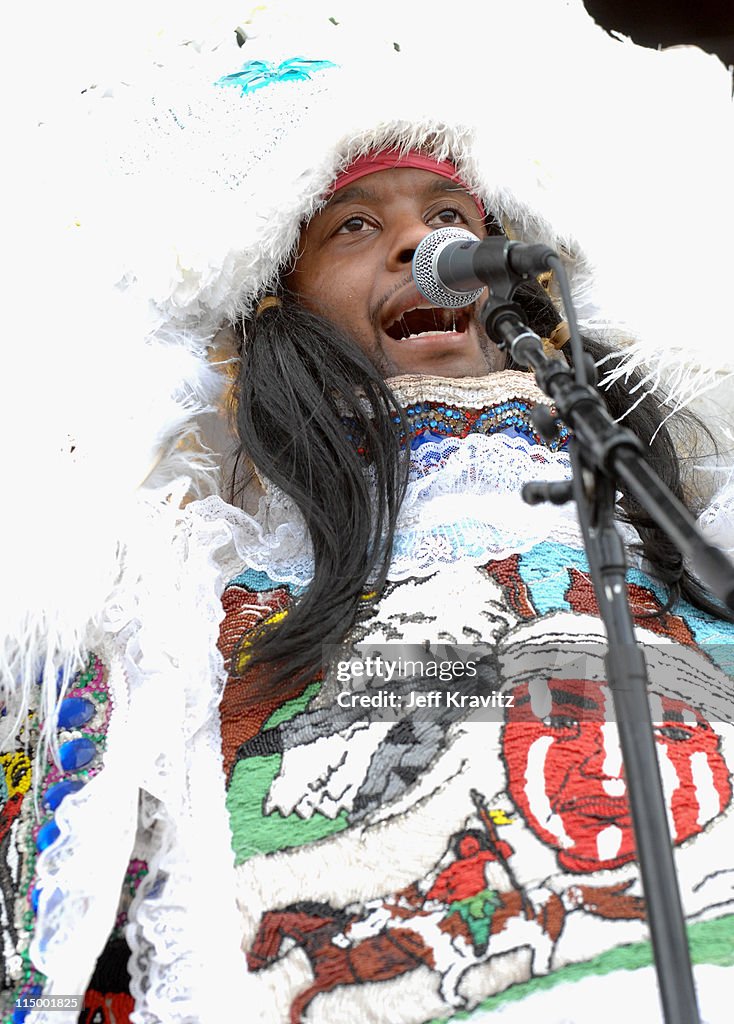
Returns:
(416, 699)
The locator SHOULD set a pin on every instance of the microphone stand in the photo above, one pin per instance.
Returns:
(601, 452)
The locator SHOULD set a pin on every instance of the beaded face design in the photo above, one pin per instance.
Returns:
(566, 777)
(354, 267)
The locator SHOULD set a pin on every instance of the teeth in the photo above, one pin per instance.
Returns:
(424, 334)
(443, 321)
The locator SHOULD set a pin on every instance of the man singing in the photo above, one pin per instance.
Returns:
(219, 832)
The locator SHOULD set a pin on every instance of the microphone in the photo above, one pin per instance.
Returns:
(452, 267)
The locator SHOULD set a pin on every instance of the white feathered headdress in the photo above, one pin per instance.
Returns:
(166, 187)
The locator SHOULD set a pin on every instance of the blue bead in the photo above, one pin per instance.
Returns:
(76, 753)
(47, 834)
(422, 438)
(34, 899)
(20, 1015)
(74, 711)
(56, 793)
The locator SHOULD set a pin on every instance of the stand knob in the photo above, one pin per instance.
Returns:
(557, 492)
(544, 422)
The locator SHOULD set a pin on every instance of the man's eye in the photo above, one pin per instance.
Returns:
(352, 225)
(449, 216)
(562, 725)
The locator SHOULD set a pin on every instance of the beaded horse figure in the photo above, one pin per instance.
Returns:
(399, 935)
(313, 927)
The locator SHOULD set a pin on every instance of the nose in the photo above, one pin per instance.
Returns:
(404, 236)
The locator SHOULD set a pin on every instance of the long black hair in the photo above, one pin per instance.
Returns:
(301, 380)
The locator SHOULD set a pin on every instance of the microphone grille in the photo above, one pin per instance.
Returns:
(425, 275)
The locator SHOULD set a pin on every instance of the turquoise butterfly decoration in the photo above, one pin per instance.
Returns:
(256, 74)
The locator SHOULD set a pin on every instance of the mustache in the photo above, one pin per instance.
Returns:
(375, 311)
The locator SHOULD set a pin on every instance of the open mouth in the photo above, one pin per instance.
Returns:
(427, 320)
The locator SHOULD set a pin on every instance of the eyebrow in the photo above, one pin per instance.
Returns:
(345, 195)
(351, 192)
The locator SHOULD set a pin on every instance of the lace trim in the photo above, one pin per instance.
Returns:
(277, 541)
(175, 701)
(462, 504)
(161, 637)
(481, 464)
(79, 873)
(468, 392)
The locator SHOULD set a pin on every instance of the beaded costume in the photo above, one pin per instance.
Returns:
(180, 858)
(437, 858)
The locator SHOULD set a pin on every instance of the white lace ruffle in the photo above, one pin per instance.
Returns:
(160, 637)
(80, 873)
(277, 542)
(462, 503)
(176, 675)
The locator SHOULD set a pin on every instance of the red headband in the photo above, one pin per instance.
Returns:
(389, 159)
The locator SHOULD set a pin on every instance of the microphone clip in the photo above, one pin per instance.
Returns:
(503, 264)
(503, 268)
(493, 264)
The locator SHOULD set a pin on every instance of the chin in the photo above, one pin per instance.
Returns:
(441, 361)
(450, 368)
